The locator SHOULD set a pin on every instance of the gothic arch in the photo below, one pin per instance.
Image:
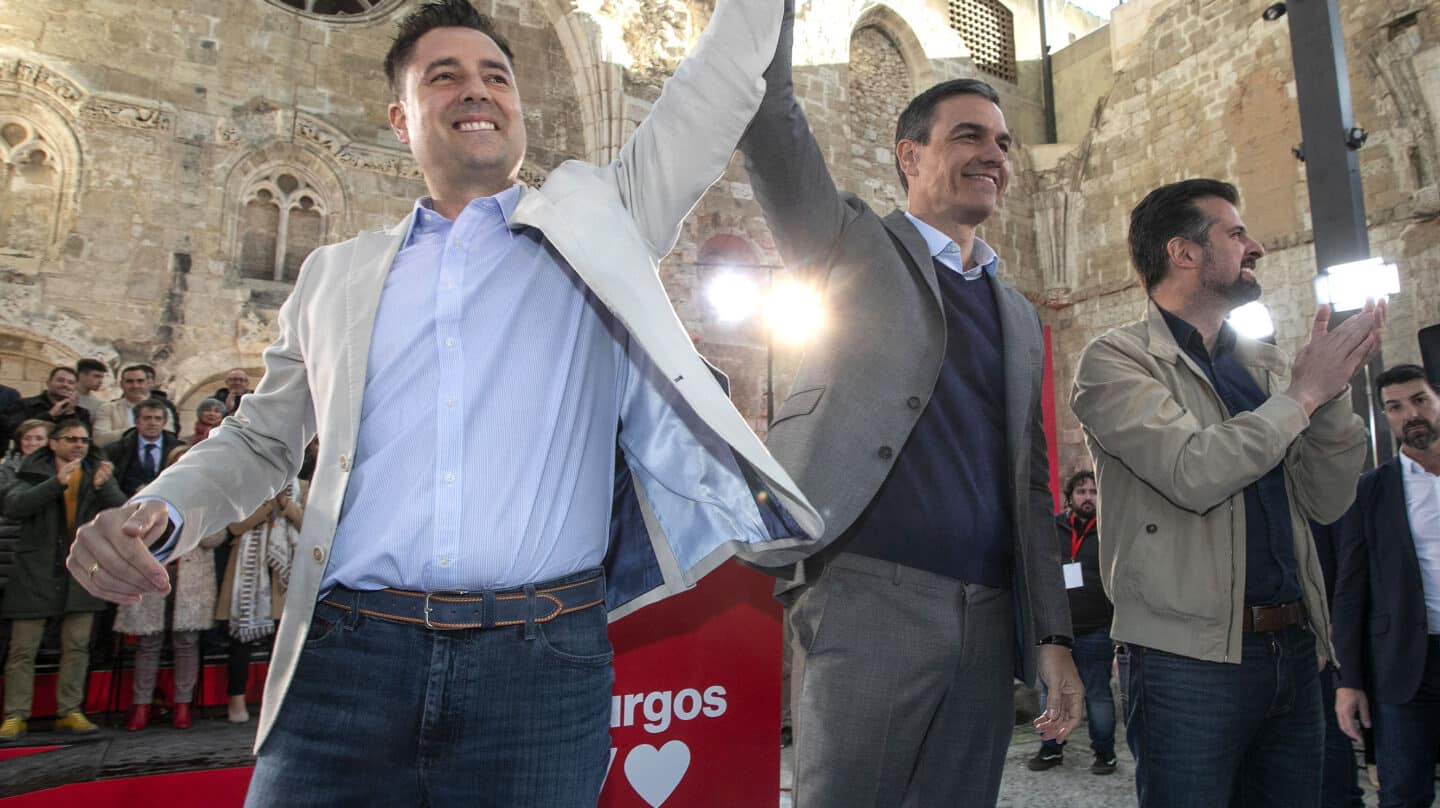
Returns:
(293, 176)
(902, 36)
(41, 162)
(597, 55)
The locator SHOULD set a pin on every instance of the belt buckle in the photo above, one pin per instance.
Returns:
(429, 595)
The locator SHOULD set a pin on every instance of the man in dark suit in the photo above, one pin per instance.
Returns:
(915, 428)
(141, 453)
(1387, 597)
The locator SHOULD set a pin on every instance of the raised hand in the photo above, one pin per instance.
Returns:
(1324, 366)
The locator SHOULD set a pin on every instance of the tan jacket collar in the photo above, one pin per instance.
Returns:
(1249, 352)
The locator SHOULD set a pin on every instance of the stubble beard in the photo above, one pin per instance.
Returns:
(1422, 440)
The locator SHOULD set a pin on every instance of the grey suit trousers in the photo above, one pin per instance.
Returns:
(901, 688)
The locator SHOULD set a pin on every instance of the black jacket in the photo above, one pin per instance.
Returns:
(1380, 622)
(125, 454)
(1090, 609)
(39, 585)
(36, 406)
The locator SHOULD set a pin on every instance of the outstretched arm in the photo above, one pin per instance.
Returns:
(684, 144)
(787, 171)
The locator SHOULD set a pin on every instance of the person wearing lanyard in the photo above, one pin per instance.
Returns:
(1090, 614)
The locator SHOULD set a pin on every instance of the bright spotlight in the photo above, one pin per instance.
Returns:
(794, 312)
(1346, 287)
(1252, 320)
(733, 296)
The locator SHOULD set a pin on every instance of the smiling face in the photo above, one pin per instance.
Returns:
(33, 439)
(1227, 268)
(961, 173)
(237, 381)
(459, 111)
(61, 385)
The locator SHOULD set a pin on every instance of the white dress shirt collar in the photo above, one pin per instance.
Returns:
(946, 251)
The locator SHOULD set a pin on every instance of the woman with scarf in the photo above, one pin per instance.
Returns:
(257, 572)
(192, 599)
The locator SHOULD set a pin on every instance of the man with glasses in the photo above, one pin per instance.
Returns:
(57, 489)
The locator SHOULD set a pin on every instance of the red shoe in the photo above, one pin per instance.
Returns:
(182, 716)
(139, 717)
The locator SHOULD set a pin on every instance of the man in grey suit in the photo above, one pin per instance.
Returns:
(915, 429)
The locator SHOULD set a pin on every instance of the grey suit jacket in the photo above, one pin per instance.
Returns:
(861, 389)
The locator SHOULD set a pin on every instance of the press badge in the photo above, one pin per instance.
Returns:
(1073, 580)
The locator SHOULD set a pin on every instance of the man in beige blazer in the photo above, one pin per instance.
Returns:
(458, 650)
(1213, 452)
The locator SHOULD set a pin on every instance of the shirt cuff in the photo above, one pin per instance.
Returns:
(164, 545)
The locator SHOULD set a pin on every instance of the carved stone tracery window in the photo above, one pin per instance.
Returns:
(30, 187)
(283, 220)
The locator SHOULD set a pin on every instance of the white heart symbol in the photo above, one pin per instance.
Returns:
(654, 773)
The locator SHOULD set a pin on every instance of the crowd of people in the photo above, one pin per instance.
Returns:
(579, 461)
(72, 455)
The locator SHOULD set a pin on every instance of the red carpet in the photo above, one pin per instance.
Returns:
(7, 753)
(215, 788)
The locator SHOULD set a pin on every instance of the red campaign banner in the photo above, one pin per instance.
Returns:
(695, 716)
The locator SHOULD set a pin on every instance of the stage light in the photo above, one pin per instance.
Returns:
(733, 296)
(1253, 320)
(794, 312)
(1346, 287)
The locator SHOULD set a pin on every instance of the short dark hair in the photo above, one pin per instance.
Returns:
(1167, 212)
(132, 368)
(61, 369)
(423, 20)
(150, 404)
(68, 423)
(87, 364)
(1074, 481)
(1399, 375)
(919, 115)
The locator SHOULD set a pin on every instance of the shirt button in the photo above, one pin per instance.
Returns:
(344, 462)
(449, 478)
(450, 402)
(1151, 528)
(914, 402)
(457, 243)
(318, 555)
(444, 562)
(449, 342)
(885, 452)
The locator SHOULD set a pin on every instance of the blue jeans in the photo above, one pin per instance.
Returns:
(1209, 734)
(387, 713)
(1406, 736)
(1341, 783)
(1094, 653)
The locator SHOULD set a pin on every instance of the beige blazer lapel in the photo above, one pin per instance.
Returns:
(371, 257)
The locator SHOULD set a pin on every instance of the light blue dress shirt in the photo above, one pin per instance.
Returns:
(486, 449)
(947, 252)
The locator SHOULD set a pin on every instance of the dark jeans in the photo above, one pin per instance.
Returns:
(1405, 739)
(1341, 784)
(1209, 734)
(1094, 654)
(385, 713)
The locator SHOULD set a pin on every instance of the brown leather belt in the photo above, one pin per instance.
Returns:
(1272, 618)
(454, 611)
